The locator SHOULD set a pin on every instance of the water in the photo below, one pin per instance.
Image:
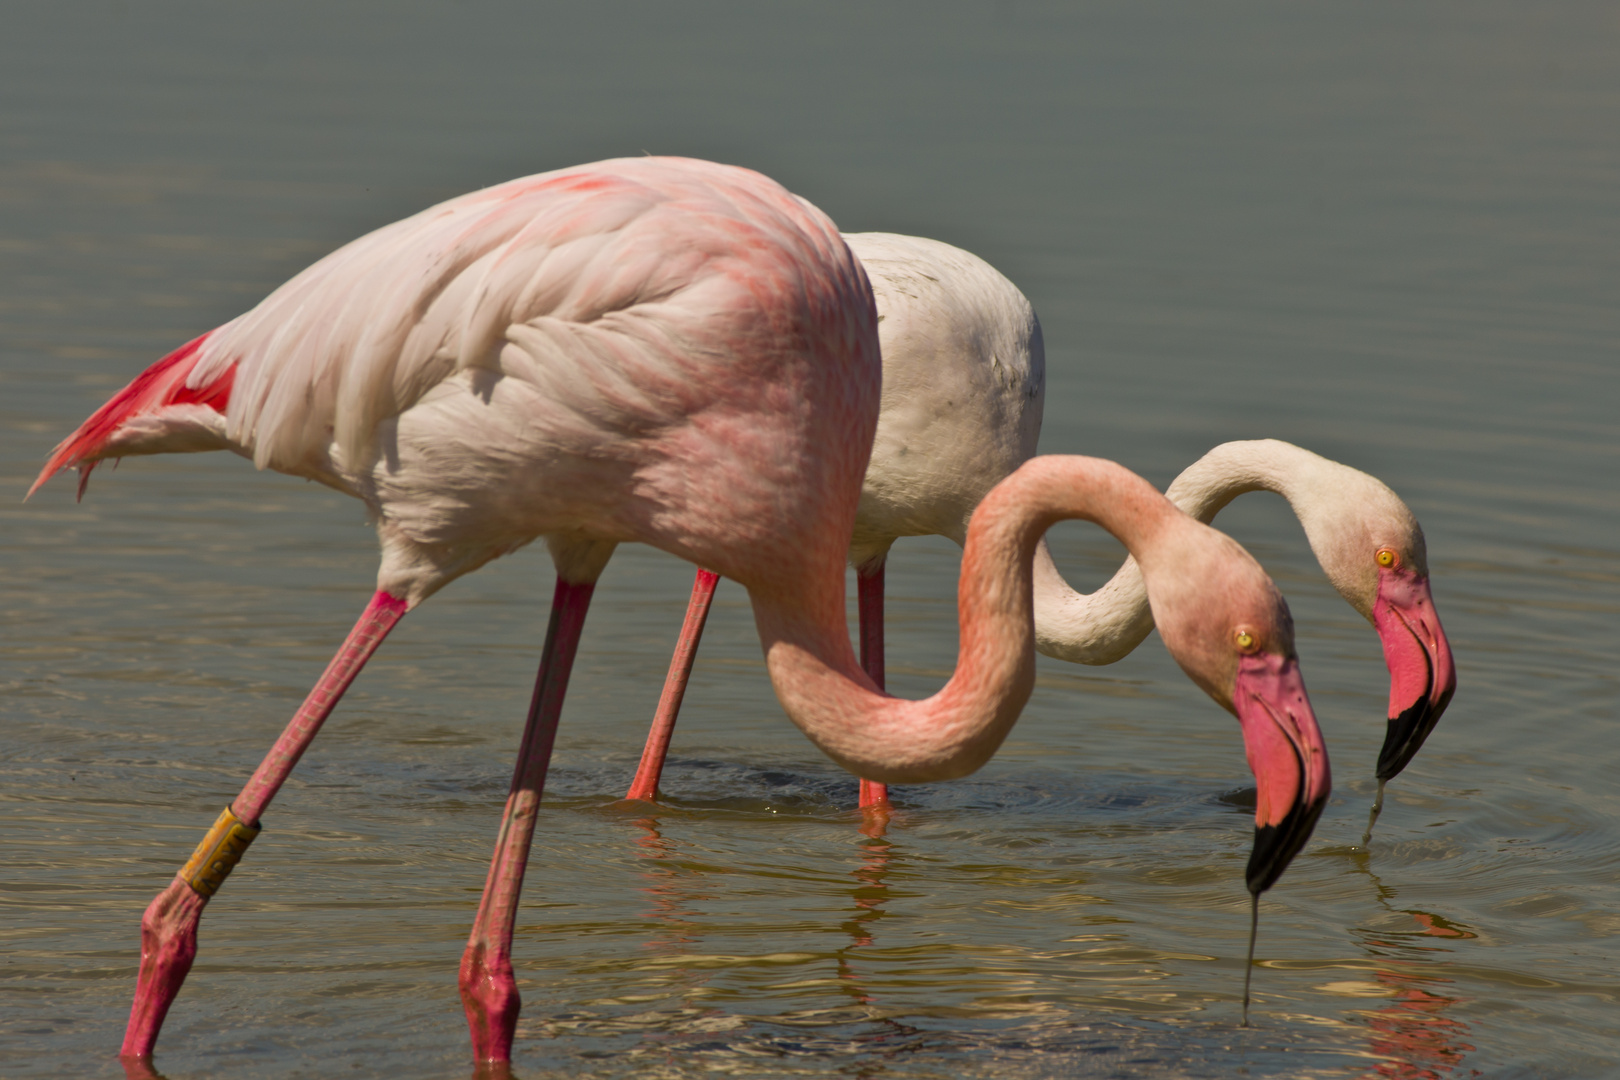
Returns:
(1386, 233)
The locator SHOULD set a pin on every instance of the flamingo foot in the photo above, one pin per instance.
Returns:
(489, 994)
(168, 946)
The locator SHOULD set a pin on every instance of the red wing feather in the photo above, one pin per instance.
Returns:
(161, 385)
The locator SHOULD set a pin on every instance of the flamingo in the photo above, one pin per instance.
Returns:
(682, 354)
(963, 389)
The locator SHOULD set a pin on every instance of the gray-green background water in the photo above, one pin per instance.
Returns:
(1387, 232)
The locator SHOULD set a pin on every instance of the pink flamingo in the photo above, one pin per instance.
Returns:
(963, 390)
(682, 354)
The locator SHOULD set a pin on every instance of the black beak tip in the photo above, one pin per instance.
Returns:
(1406, 734)
(1276, 845)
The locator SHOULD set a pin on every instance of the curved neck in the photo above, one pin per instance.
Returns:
(806, 638)
(1104, 626)
(1205, 487)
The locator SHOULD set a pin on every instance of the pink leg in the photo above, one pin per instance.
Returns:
(169, 927)
(645, 785)
(869, 586)
(488, 989)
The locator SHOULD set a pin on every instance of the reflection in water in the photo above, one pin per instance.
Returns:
(891, 1037)
(140, 1069)
(1411, 1032)
(875, 820)
(869, 894)
(1421, 1043)
(669, 886)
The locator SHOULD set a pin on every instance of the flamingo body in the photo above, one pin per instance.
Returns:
(682, 354)
(964, 383)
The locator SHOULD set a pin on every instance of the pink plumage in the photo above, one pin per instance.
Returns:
(663, 351)
(164, 395)
(496, 367)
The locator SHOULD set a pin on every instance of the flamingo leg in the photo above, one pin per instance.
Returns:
(645, 785)
(870, 584)
(869, 589)
(169, 927)
(488, 989)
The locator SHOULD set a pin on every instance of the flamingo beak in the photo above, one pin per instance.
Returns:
(1422, 677)
(1288, 758)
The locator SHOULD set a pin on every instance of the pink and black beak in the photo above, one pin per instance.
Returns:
(1288, 758)
(1422, 677)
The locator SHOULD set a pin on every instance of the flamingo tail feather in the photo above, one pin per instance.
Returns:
(156, 413)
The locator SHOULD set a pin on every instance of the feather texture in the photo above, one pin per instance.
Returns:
(165, 410)
(490, 369)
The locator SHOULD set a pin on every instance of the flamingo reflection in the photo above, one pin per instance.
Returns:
(669, 885)
(871, 892)
(1411, 1032)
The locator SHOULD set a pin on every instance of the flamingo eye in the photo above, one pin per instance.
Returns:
(1387, 558)
(1245, 640)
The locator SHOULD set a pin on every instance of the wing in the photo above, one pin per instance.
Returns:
(363, 334)
(611, 279)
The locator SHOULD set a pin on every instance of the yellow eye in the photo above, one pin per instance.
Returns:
(1387, 557)
(1245, 640)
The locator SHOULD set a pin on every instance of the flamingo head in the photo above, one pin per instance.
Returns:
(1372, 548)
(1229, 629)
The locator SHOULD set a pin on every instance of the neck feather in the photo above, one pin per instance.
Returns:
(1231, 469)
(951, 734)
(1104, 626)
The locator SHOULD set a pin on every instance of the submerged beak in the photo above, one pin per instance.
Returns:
(1288, 758)
(1422, 677)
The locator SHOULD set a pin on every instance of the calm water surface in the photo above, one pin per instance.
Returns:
(1389, 235)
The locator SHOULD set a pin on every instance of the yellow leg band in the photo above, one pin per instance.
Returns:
(218, 853)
